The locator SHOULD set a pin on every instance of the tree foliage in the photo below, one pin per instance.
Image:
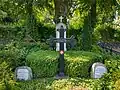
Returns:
(33, 13)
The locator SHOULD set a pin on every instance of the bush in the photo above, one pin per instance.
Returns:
(77, 63)
(14, 54)
(117, 85)
(111, 79)
(63, 84)
(43, 63)
(106, 82)
(113, 63)
(6, 76)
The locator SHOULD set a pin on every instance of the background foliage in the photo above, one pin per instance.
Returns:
(25, 26)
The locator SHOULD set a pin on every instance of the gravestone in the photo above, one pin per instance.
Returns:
(23, 73)
(98, 70)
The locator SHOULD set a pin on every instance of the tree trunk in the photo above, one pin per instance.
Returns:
(30, 20)
(61, 9)
(87, 34)
(88, 29)
(93, 14)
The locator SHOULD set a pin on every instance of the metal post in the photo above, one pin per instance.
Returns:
(61, 57)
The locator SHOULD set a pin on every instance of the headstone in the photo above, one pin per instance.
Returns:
(23, 73)
(98, 70)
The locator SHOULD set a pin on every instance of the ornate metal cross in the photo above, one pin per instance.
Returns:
(61, 40)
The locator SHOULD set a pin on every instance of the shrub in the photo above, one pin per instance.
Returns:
(77, 63)
(113, 63)
(96, 49)
(62, 84)
(117, 85)
(106, 82)
(111, 79)
(43, 63)
(14, 54)
(6, 76)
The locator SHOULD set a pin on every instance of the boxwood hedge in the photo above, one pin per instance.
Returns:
(43, 63)
(62, 84)
(77, 63)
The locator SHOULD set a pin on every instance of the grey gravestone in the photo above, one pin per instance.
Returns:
(98, 70)
(23, 73)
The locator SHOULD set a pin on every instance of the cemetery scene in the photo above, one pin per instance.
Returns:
(60, 45)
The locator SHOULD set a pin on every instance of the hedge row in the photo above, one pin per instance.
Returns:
(77, 63)
(43, 63)
(63, 84)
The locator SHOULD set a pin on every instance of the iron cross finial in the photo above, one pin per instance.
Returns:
(61, 18)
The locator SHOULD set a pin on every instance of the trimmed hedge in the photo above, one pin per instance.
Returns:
(63, 84)
(77, 63)
(43, 63)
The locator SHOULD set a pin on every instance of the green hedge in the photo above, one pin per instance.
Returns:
(63, 84)
(77, 63)
(113, 63)
(113, 77)
(6, 76)
(43, 63)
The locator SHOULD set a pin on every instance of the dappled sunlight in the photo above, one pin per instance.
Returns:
(60, 41)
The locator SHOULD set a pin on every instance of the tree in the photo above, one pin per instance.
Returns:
(30, 18)
(88, 27)
(61, 9)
